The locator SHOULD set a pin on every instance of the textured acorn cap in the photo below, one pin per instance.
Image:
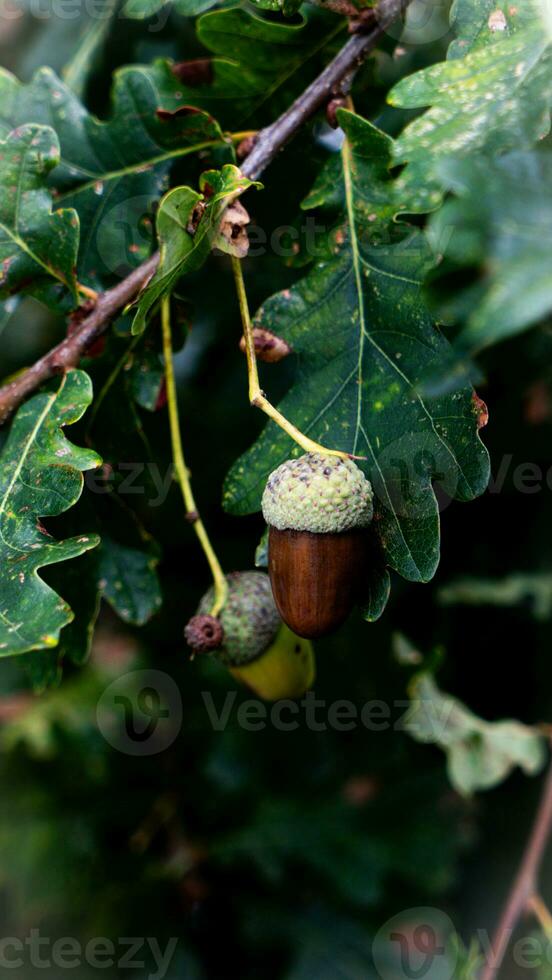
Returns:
(318, 493)
(249, 618)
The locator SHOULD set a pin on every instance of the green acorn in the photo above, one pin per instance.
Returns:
(250, 639)
(317, 508)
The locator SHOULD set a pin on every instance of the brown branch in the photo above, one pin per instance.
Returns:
(272, 139)
(268, 143)
(69, 352)
(525, 886)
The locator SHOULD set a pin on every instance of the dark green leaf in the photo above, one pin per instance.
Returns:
(111, 172)
(128, 581)
(257, 60)
(40, 476)
(147, 379)
(365, 343)
(36, 243)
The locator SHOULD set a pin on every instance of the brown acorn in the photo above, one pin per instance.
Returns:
(317, 508)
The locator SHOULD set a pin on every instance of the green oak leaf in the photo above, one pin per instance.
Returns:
(40, 476)
(7, 309)
(124, 576)
(480, 754)
(514, 590)
(147, 377)
(254, 60)
(36, 243)
(364, 343)
(478, 23)
(85, 56)
(128, 581)
(495, 98)
(141, 9)
(184, 241)
(110, 172)
(382, 196)
(506, 232)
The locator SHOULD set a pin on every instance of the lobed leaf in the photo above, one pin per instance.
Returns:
(110, 172)
(365, 343)
(494, 98)
(511, 591)
(480, 754)
(36, 243)
(255, 60)
(40, 476)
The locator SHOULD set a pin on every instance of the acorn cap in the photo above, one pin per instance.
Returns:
(249, 618)
(318, 493)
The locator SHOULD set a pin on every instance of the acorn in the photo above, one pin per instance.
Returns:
(317, 508)
(251, 640)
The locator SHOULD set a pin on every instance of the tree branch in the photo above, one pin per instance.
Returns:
(524, 889)
(268, 143)
(69, 352)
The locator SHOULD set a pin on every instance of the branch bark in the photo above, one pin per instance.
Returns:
(525, 886)
(267, 145)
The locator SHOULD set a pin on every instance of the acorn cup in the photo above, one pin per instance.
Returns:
(317, 508)
(250, 639)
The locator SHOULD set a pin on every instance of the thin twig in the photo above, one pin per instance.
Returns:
(540, 910)
(525, 886)
(181, 470)
(272, 139)
(268, 143)
(257, 397)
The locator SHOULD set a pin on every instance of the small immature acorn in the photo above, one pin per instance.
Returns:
(317, 508)
(252, 642)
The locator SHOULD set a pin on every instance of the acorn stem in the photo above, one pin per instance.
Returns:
(256, 395)
(181, 470)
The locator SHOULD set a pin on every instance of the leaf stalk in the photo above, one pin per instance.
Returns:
(257, 397)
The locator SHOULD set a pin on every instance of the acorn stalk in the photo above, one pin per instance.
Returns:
(317, 508)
